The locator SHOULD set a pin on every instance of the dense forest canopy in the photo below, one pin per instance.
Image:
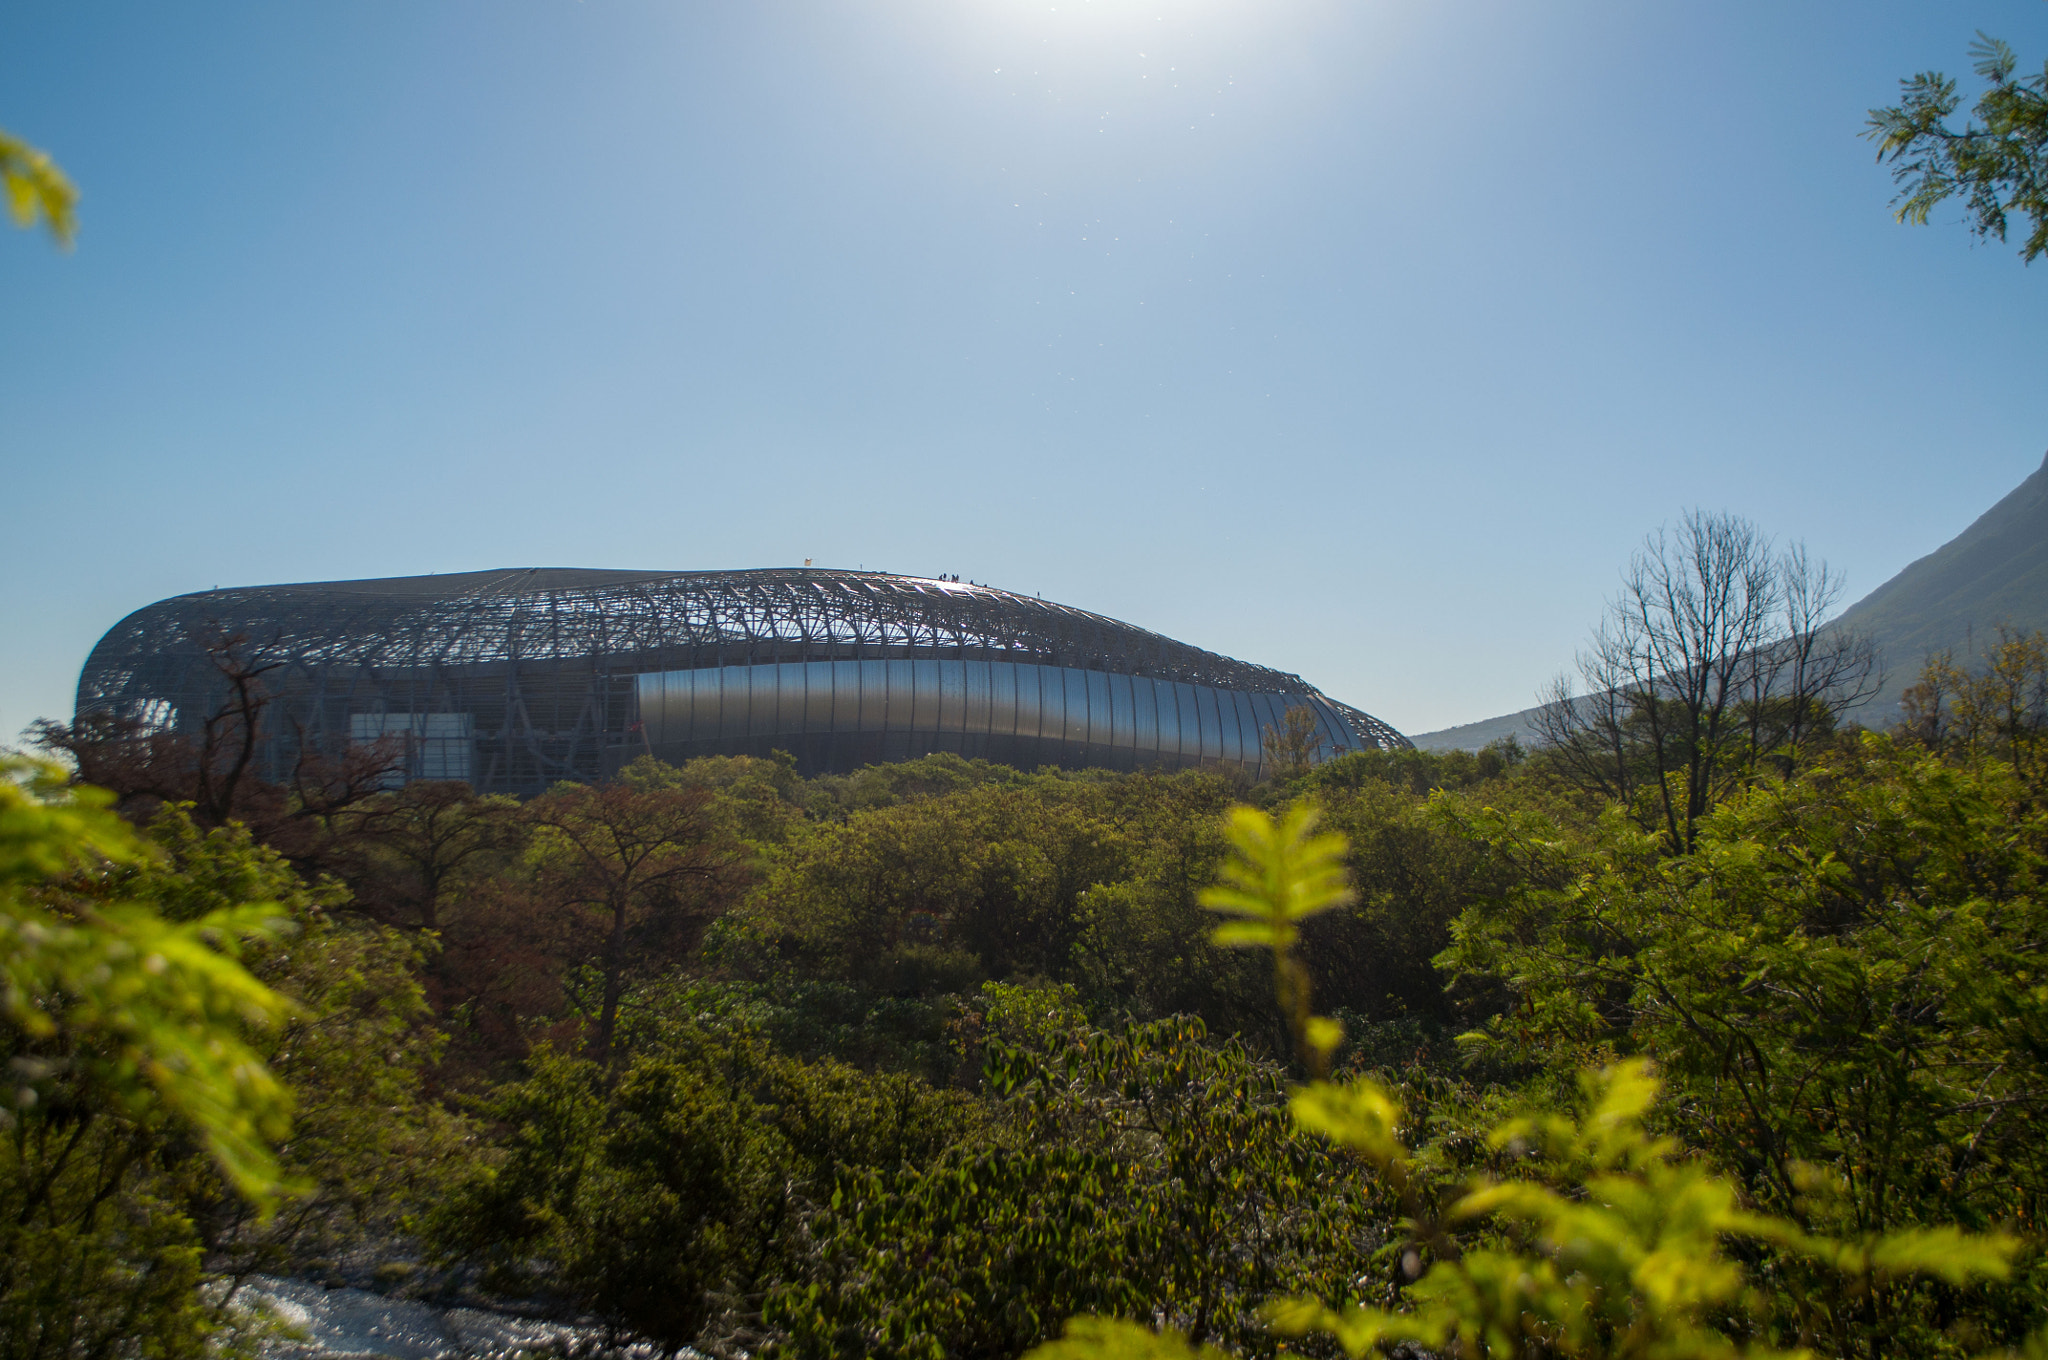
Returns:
(928, 1059)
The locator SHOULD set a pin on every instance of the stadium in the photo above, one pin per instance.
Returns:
(515, 679)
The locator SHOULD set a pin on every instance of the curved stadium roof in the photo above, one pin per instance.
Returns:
(551, 673)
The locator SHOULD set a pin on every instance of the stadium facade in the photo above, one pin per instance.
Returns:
(514, 679)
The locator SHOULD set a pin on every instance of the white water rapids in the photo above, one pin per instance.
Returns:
(345, 1322)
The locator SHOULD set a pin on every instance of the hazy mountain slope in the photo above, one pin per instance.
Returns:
(1472, 736)
(1994, 572)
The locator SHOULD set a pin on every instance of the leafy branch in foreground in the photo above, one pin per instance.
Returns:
(147, 1010)
(35, 188)
(1614, 1243)
(1282, 874)
(1998, 164)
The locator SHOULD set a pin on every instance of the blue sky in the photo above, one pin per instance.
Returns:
(1361, 338)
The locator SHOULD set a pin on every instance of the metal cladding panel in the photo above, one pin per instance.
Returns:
(1231, 742)
(1123, 724)
(703, 713)
(1227, 716)
(1235, 744)
(1242, 744)
(1144, 714)
(788, 703)
(889, 702)
(735, 700)
(1209, 729)
(663, 705)
(1003, 680)
(1251, 720)
(1254, 719)
(910, 702)
(928, 697)
(729, 701)
(818, 696)
(1166, 703)
(1041, 704)
(844, 707)
(976, 718)
(952, 691)
(872, 679)
(1336, 733)
(1016, 690)
(1274, 715)
(1255, 713)
(1076, 684)
(1175, 719)
(911, 707)
(652, 694)
(1070, 714)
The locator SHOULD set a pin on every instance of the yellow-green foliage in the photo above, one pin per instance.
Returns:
(657, 1195)
(126, 1039)
(1283, 874)
(35, 188)
(1609, 1241)
(352, 1052)
(152, 1008)
(1615, 1244)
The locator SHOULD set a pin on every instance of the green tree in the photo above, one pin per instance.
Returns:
(127, 1038)
(407, 851)
(1997, 709)
(1997, 161)
(1710, 667)
(627, 878)
(1841, 986)
(1143, 1171)
(1607, 1241)
(364, 1146)
(632, 1199)
(1295, 746)
(995, 871)
(670, 1196)
(762, 801)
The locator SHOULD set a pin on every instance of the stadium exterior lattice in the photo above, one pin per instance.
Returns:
(515, 679)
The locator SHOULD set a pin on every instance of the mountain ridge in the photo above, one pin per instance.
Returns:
(1993, 573)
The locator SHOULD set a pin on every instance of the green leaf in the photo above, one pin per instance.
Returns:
(1282, 874)
(1359, 1115)
(36, 189)
(1094, 1338)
